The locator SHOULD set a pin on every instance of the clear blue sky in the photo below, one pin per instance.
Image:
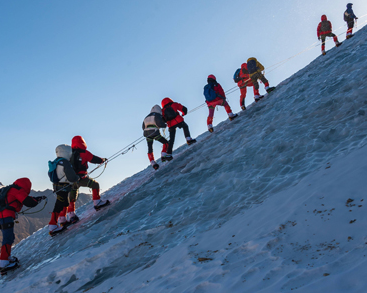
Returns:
(95, 68)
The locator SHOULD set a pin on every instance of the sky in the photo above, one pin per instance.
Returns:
(96, 68)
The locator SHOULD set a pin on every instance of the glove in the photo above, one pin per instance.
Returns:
(39, 198)
(319, 38)
(105, 160)
(184, 110)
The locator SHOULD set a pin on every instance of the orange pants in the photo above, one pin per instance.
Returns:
(212, 104)
(244, 92)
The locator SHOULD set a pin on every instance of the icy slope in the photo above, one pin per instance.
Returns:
(257, 206)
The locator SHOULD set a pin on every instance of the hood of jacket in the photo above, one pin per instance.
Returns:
(78, 142)
(349, 5)
(64, 151)
(244, 66)
(166, 101)
(323, 17)
(156, 109)
(24, 183)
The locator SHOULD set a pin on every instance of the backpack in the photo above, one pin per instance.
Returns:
(168, 112)
(209, 92)
(347, 17)
(4, 205)
(76, 161)
(251, 66)
(325, 26)
(52, 174)
(236, 76)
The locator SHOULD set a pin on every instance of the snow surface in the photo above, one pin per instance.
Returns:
(260, 205)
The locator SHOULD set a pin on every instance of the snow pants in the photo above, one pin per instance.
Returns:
(350, 27)
(7, 229)
(244, 92)
(73, 196)
(159, 138)
(62, 202)
(172, 134)
(323, 37)
(254, 78)
(212, 104)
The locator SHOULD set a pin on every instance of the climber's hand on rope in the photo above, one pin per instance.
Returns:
(40, 198)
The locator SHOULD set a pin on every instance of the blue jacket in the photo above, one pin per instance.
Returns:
(349, 14)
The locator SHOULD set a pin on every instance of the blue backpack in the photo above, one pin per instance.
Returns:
(52, 165)
(236, 76)
(209, 93)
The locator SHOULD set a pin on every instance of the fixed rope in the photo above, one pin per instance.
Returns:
(132, 145)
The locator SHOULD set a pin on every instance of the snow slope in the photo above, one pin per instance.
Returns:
(260, 205)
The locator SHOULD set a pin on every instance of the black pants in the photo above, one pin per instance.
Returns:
(255, 77)
(350, 24)
(172, 134)
(323, 37)
(62, 200)
(150, 140)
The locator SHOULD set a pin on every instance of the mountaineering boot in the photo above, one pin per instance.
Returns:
(210, 128)
(190, 141)
(62, 221)
(7, 265)
(349, 36)
(243, 108)
(338, 44)
(323, 52)
(166, 157)
(55, 229)
(270, 89)
(233, 116)
(12, 259)
(154, 165)
(73, 218)
(258, 98)
(98, 204)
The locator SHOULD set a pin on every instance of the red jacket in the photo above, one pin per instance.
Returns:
(245, 77)
(168, 103)
(78, 143)
(16, 197)
(219, 90)
(324, 27)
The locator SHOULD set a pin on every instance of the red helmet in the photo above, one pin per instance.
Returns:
(323, 17)
(166, 101)
(78, 142)
(212, 76)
